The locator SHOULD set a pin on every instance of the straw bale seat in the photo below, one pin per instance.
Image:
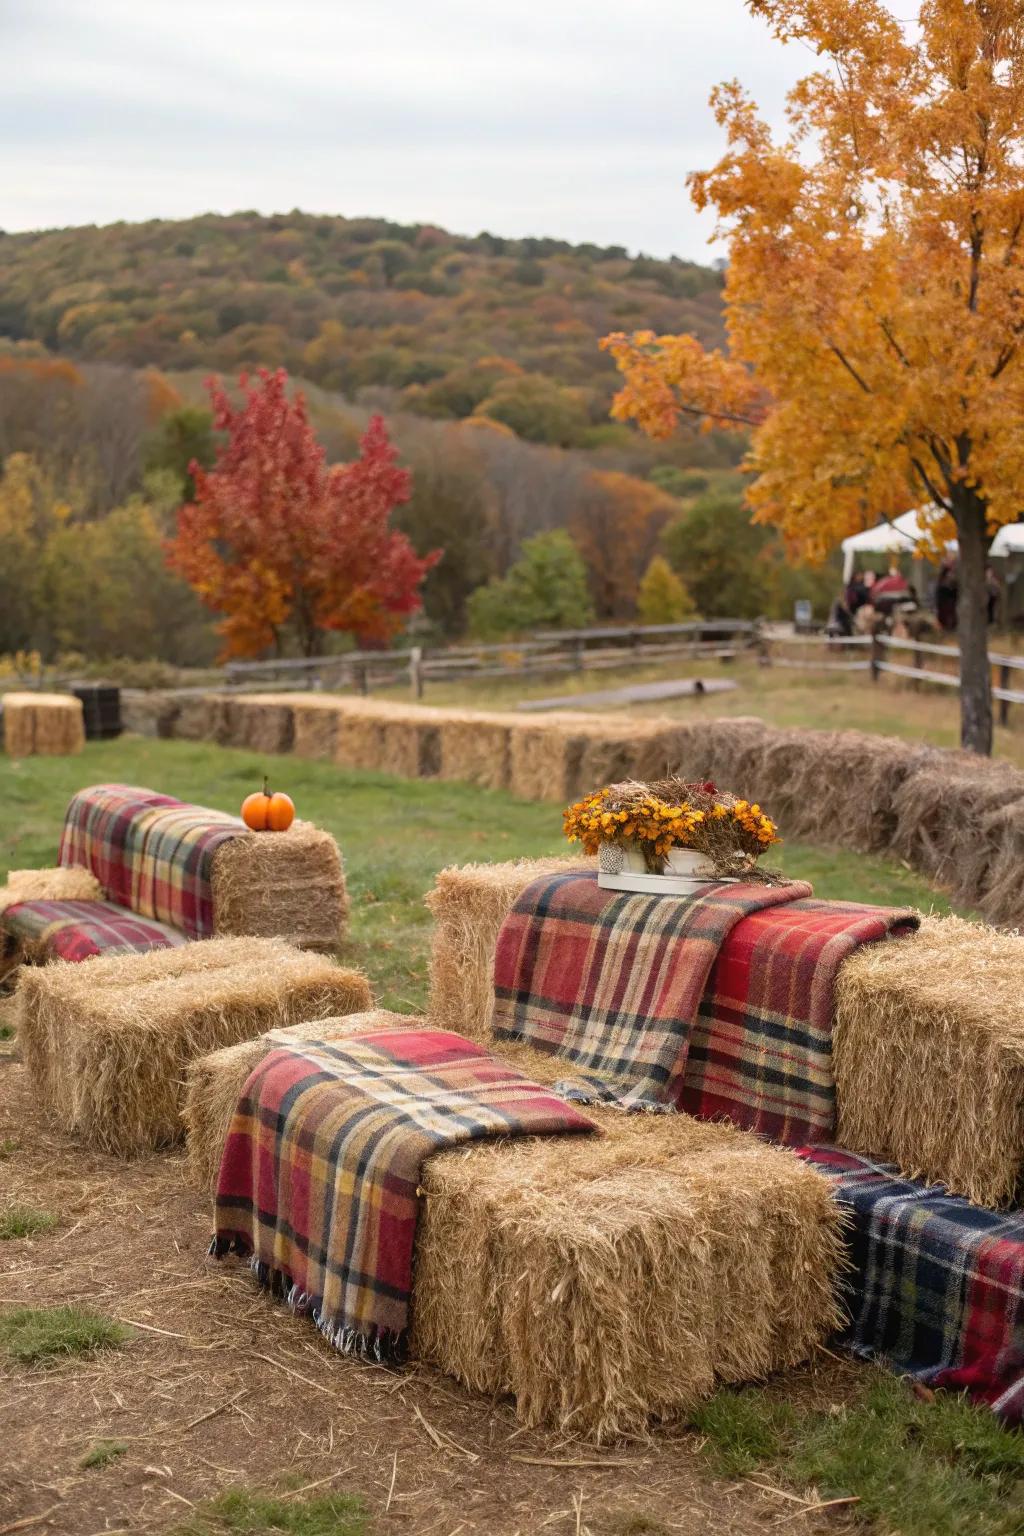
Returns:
(106, 1042)
(43, 724)
(601, 1282)
(169, 871)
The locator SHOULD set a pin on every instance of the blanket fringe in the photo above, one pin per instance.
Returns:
(383, 1346)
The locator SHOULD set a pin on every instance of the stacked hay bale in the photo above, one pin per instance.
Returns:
(315, 720)
(928, 1057)
(106, 1042)
(43, 725)
(469, 905)
(292, 882)
(603, 1281)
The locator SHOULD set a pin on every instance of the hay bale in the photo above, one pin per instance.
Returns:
(315, 726)
(202, 717)
(608, 1282)
(213, 1084)
(149, 714)
(59, 884)
(410, 743)
(957, 822)
(476, 748)
(928, 1056)
(600, 1282)
(43, 724)
(469, 905)
(546, 757)
(289, 885)
(106, 1042)
(261, 722)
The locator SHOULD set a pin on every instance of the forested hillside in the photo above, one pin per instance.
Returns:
(451, 324)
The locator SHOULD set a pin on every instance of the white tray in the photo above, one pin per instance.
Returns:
(656, 885)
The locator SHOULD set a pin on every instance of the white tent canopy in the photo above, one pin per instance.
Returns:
(900, 537)
(1009, 540)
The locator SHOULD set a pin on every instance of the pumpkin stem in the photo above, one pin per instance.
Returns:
(266, 791)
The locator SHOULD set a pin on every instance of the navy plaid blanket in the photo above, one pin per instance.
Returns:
(937, 1288)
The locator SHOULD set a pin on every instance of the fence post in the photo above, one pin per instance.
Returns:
(919, 664)
(1004, 682)
(876, 657)
(577, 655)
(361, 680)
(416, 671)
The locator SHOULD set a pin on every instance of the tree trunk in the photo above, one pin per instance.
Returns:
(972, 623)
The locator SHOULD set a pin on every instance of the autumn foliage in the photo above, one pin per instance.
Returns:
(279, 542)
(875, 289)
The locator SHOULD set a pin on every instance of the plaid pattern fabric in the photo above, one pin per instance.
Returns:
(151, 853)
(720, 1004)
(937, 1288)
(319, 1177)
(761, 1047)
(76, 930)
(613, 982)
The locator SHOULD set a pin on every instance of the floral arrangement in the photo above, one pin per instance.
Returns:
(731, 833)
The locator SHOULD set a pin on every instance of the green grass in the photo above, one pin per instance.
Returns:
(102, 1453)
(260, 1514)
(33, 1334)
(8, 1146)
(395, 835)
(23, 1221)
(915, 1468)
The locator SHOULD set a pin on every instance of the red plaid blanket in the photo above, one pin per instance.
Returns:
(151, 853)
(936, 1287)
(322, 1163)
(719, 1004)
(77, 930)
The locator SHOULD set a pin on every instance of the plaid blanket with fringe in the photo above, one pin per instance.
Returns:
(320, 1172)
(151, 853)
(77, 930)
(937, 1289)
(719, 1004)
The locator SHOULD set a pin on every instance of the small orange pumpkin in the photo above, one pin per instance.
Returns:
(266, 812)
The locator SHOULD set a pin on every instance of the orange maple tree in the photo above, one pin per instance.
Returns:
(285, 545)
(875, 290)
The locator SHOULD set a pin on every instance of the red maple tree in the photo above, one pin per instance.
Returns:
(281, 543)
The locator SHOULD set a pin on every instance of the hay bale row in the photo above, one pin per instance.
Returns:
(43, 725)
(106, 1042)
(601, 1282)
(261, 722)
(149, 713)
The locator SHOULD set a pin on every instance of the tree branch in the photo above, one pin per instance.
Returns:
(927, 483)
(851, 370)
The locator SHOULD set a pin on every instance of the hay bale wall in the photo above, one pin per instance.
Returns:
(469, 905)
(476, 748)
(106, 1042)
(202, 717)
(149, 713)
(43, 725)
(282, 884)
(213, 1083)
(928, 1056)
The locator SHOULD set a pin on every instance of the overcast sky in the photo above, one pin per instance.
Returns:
(575, 118)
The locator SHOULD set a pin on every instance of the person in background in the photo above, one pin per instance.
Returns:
(857, 590)
(893, 586)
(946, 589)
(994, 591)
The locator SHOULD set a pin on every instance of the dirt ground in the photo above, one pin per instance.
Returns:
(222, 1387)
